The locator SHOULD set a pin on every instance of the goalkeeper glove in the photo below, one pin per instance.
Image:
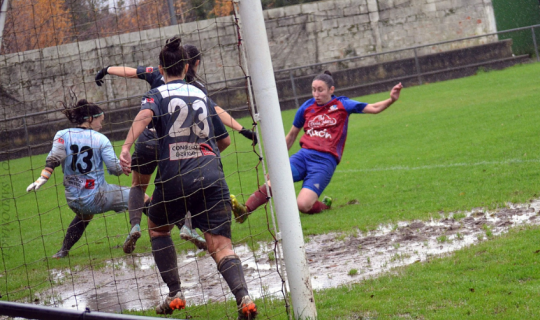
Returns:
(45, 175)
(250, 135)
(100, 75)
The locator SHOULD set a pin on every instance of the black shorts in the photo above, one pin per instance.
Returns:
(210, 210)
(145, 157)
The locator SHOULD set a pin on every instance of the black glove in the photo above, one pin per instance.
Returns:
(250, 135)
(99, 76)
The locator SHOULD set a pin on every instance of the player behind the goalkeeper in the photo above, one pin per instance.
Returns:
(82, 151)
(190, 178)
(324, 119)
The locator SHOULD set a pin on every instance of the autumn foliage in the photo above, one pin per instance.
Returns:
(36, 24)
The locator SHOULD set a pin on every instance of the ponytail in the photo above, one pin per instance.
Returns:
(82, 111)
(173, 57)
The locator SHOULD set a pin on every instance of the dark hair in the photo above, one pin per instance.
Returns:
(81, 112)
(173, 57)
(326, 76)
(194, 56)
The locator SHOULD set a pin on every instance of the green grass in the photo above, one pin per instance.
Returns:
(498, 279)
(444, 147)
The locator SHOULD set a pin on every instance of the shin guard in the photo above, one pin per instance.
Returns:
(230, 268)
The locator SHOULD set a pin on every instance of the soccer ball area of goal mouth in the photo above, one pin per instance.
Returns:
(95, 274)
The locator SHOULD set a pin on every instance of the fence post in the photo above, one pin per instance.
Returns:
(418, 72)
(27, 136)
(172, 12)
(535, 46)
(294, 89)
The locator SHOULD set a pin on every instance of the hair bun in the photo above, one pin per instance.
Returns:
(327, 72)
(81, 103)
(173, 44)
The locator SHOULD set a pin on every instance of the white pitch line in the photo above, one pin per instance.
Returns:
(437, 166)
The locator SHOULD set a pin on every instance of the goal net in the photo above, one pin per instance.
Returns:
(52, 51)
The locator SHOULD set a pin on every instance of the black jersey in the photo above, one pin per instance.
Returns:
(150, 75)
(187, 125)
(155, 79)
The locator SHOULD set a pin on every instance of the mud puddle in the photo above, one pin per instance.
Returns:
(133, 282)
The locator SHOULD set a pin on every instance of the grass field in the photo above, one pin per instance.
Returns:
(443, 147)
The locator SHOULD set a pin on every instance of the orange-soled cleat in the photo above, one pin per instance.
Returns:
(247, 310)
(170, 304)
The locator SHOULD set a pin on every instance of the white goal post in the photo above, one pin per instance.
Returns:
(266, 98)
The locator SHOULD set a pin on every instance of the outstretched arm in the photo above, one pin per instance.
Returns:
(227, 119)
(380, 106)
(142, 120)
(291, 136)
(126, 72)
(230, 122)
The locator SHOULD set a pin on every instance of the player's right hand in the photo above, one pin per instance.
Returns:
(100, 75)
(36, 185)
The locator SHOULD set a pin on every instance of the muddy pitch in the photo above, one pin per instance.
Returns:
(133, 282)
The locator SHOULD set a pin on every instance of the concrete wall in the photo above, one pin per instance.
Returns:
(37, 80)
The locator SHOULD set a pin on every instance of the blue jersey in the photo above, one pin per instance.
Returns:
(188, 151)
(82, 152)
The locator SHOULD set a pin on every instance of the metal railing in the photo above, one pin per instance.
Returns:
(32, 311)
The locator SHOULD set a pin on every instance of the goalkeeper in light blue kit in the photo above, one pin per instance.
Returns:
(82, 151)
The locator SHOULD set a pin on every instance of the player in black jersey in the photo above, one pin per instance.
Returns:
(190, 178)
(155, 79)
(144, 158)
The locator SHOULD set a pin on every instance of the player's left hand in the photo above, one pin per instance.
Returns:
(250, 135)
(394, 94)
(125, 161)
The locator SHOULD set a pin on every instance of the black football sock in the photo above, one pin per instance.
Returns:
(135, 205)
(74, 233)
(165, 258)
(230, 268)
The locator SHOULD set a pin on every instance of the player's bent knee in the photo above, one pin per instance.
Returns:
(304, 207)
(159, 233)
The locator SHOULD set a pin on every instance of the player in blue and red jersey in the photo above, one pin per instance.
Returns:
(324, 119)
(190, 178)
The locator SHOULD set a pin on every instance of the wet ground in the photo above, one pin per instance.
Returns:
(133, 282)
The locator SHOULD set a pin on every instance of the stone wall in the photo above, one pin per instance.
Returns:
(35, 81)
